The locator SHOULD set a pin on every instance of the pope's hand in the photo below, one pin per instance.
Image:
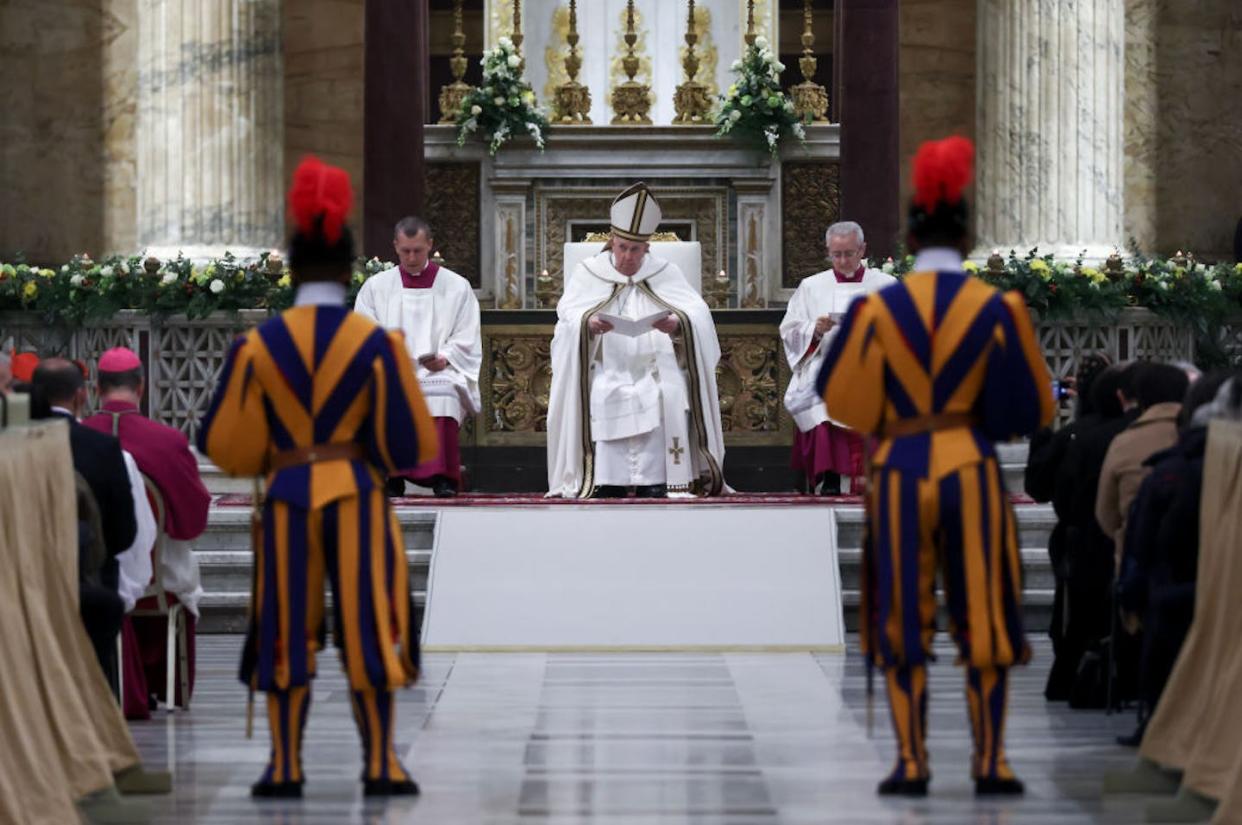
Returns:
(598, 326)
(668, 324)
(435, 364)
(823, 324)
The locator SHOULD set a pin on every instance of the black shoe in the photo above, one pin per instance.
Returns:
(395, 487)
(902, 787)
(651, 491)
(387, 787)
(832, 485)
(610, 491)
(443, 488)
(276, 790)
(995, 786)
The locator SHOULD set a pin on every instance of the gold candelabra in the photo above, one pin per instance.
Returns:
(631, 100)
(452, 95)
(691, 100)
(573, 100)
(751, 34)
(809, 98)
(517, 36)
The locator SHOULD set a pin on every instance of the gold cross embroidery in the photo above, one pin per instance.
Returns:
(675, 451)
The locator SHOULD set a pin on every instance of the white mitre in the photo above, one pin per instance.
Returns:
(635, 214)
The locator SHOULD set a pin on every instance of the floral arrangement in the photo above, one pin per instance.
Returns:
(1179, 287)
(84, 290)
(755, 108)
(503, 105)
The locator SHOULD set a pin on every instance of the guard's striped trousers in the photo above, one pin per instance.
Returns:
(373, 713)
(987, 696)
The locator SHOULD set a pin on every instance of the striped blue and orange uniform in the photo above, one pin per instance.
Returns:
(314, 376)
(952, 365)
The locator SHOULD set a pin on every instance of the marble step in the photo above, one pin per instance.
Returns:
(225, 559)
(1012, 459)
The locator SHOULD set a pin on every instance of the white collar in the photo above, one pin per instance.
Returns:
(64, 411)
(937, 259)
(325, 293)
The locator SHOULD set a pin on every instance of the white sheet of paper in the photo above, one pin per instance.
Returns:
(842, 297)
(632, 328)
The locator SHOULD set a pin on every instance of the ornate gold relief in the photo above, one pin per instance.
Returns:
(452, 209)
(554, 53)
(500, 21)
(512, 276)
(518, 370)
(810, 201)
(753, 296)
(751, 377)
(658, 237)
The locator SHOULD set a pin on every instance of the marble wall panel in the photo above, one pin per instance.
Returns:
(1198, 79)
(937, 76)
(323, 52)
(52, 96)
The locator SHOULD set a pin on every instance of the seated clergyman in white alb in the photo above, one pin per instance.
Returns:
(633, 402)
(824, 450)
(436, 309)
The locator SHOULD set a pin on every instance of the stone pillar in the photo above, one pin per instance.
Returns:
(1050, 139)
(210, 127)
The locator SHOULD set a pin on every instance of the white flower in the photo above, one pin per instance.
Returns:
(737, 64)
(471, 124)
(169, 278)
(498, 100)
(505, 43)
(1216, 285)
(1200, 267)
(124, 267)
(107, 271)
(888, 267)
(514, 61)
(76, 280)
(1164, 285)
(761, 42)
(64, 267)
(476, 110)
(735, 115)
(780, 67)
(799, 132)
(216, 286)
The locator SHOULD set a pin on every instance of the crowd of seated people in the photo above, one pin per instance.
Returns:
(1124, 477)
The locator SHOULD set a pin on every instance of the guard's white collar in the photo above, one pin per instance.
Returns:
(324, 293)
(937, 259)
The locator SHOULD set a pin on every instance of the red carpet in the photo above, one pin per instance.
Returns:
(537, 500)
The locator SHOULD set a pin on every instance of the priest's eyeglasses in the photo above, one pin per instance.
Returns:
(843, 254)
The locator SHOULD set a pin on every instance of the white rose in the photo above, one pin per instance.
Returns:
(64, 267)
(514, 61)
(735, 115)
(506, 42)
(476, 110)
(1216, 285)
(498, 100)
(76, 280)
(761, 42)
(107, 271)
(169, 278)
(216, 287)
(737, 64)
(124, 267)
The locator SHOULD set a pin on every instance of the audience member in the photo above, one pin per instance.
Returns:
(1047, 453)
(60, 391)
(22, 365)
(1159, 388)
(162, 454)
(1087, 566)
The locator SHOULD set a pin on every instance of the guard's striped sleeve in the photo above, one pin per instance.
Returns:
(234, 432)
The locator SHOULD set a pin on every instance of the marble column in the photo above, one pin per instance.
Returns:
(1050, 139)
(210, 127)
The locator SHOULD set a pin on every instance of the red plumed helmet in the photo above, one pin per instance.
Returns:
(319, 189)
(942, 169)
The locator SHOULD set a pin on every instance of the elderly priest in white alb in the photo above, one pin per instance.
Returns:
(633, 402)
(436, 309)
(824, 450)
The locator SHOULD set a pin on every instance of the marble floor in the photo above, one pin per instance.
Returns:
(634, 739)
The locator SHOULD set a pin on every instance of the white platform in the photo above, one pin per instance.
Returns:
(618, 577)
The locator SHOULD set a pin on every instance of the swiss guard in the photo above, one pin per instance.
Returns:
(324, 404)
(937, 368)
